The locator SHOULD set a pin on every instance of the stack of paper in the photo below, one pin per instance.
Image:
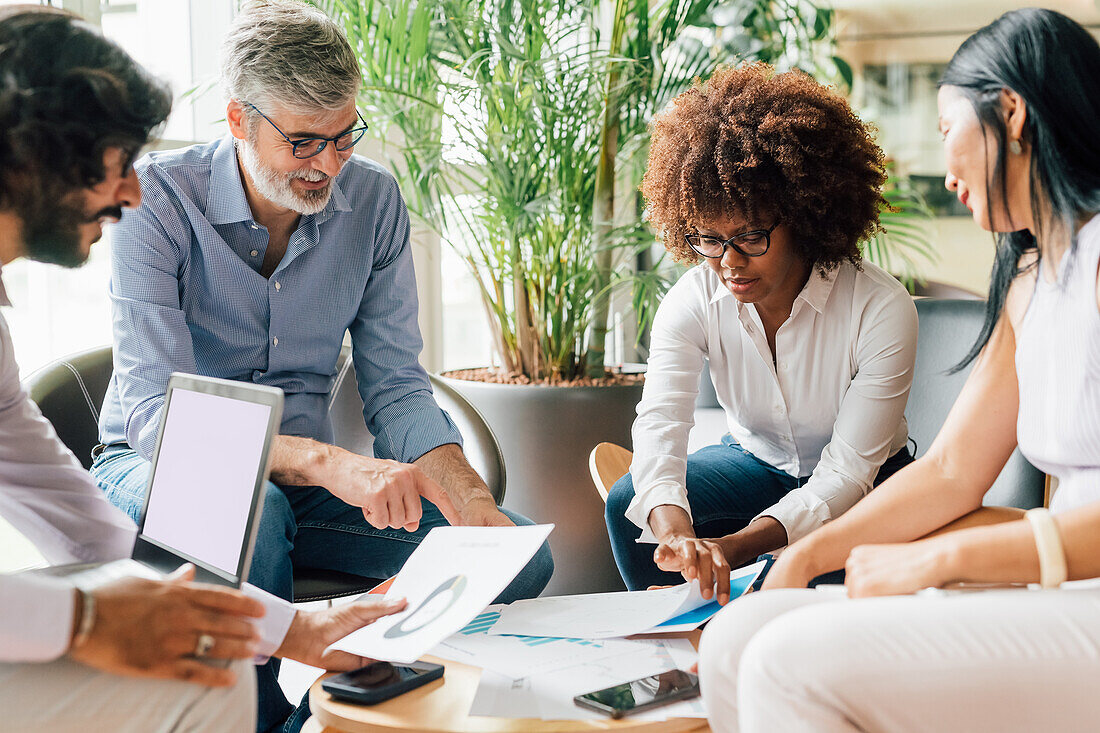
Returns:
(540, 653)
(521, 656)
(537, 677)
(549, 695)
(607, 615)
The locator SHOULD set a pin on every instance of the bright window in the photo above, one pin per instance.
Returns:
(57, 311)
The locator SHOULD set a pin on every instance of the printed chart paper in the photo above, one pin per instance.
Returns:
(450, 578)
(549, 695)
(607, 615)
(522, 656)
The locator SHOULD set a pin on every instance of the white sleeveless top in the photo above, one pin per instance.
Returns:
(1058, 368)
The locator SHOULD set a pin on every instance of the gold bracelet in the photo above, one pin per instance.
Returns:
(1048, 542)
(87, 619)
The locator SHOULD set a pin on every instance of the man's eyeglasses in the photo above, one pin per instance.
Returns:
(750, 244)
(308, 147)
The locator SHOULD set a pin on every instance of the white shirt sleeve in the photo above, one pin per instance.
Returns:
(867, 423)
(274, 624)
(666, 412)
(47, 496)
(36, 618)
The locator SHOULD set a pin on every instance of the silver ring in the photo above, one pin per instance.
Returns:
(204, 645)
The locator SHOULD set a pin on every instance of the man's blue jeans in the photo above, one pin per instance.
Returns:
(726, 487)
(307, 527)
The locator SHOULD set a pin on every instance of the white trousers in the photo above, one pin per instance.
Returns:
(68, 696)
(807, 660)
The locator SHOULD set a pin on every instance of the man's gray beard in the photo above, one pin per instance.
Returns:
(275, 186)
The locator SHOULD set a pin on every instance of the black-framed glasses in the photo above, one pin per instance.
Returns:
(308, 147)
(750, 244)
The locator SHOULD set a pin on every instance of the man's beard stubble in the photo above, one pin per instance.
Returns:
(51, 229)
(275, 186)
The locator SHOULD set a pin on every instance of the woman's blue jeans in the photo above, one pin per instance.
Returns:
(308, 527)
(726, 487)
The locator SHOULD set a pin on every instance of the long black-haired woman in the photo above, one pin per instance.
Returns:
(1020, 114)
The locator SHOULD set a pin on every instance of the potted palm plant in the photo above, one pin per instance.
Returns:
(518, 130)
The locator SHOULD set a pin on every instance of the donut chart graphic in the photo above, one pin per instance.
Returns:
(437, 603)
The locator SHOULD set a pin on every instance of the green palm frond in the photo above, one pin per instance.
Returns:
(904, 246)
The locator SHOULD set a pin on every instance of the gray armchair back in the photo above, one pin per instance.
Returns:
(480, 445)
(947, 329)
(69, 392)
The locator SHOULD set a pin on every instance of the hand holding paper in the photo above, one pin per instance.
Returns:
(606, 615)
(450, 578)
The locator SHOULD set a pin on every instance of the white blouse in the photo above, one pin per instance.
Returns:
(831, 408)
(1058, 370)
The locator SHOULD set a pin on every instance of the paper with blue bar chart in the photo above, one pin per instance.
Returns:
(449, 579)
(537, 676)
(609, 615)
(521, 656)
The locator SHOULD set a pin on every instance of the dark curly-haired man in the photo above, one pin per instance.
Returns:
(122, 655)
(772, 181)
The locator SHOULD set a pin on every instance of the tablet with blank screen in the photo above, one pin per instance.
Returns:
(205, 490)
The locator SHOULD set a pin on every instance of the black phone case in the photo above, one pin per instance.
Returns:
(686, 693)
(341, 688)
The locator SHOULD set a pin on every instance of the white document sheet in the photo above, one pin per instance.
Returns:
(549, 695)
(607, 615)
(522, 656)
(450, 578)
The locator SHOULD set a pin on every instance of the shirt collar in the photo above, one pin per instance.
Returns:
(337, 202)
(815, 292)
(226, 202)
(3, 291)
(818, 287)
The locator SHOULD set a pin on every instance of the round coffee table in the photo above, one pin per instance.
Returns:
(442, 707)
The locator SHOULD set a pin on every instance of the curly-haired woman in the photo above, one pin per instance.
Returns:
(771, 181)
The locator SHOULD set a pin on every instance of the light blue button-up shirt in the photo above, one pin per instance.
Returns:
(187, 296)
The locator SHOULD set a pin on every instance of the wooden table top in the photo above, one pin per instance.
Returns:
(442, 706)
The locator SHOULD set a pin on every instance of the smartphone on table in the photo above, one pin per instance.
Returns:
(380, 681)
(642, 694)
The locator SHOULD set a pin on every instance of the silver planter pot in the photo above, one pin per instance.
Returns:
(546, 434)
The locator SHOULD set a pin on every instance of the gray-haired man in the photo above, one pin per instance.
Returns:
(249, 259)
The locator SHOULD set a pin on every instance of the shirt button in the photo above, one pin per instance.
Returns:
(778, 409)
(277, 285)
(783, 365)
(275, 341)
(255, 226)
(254, 252)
